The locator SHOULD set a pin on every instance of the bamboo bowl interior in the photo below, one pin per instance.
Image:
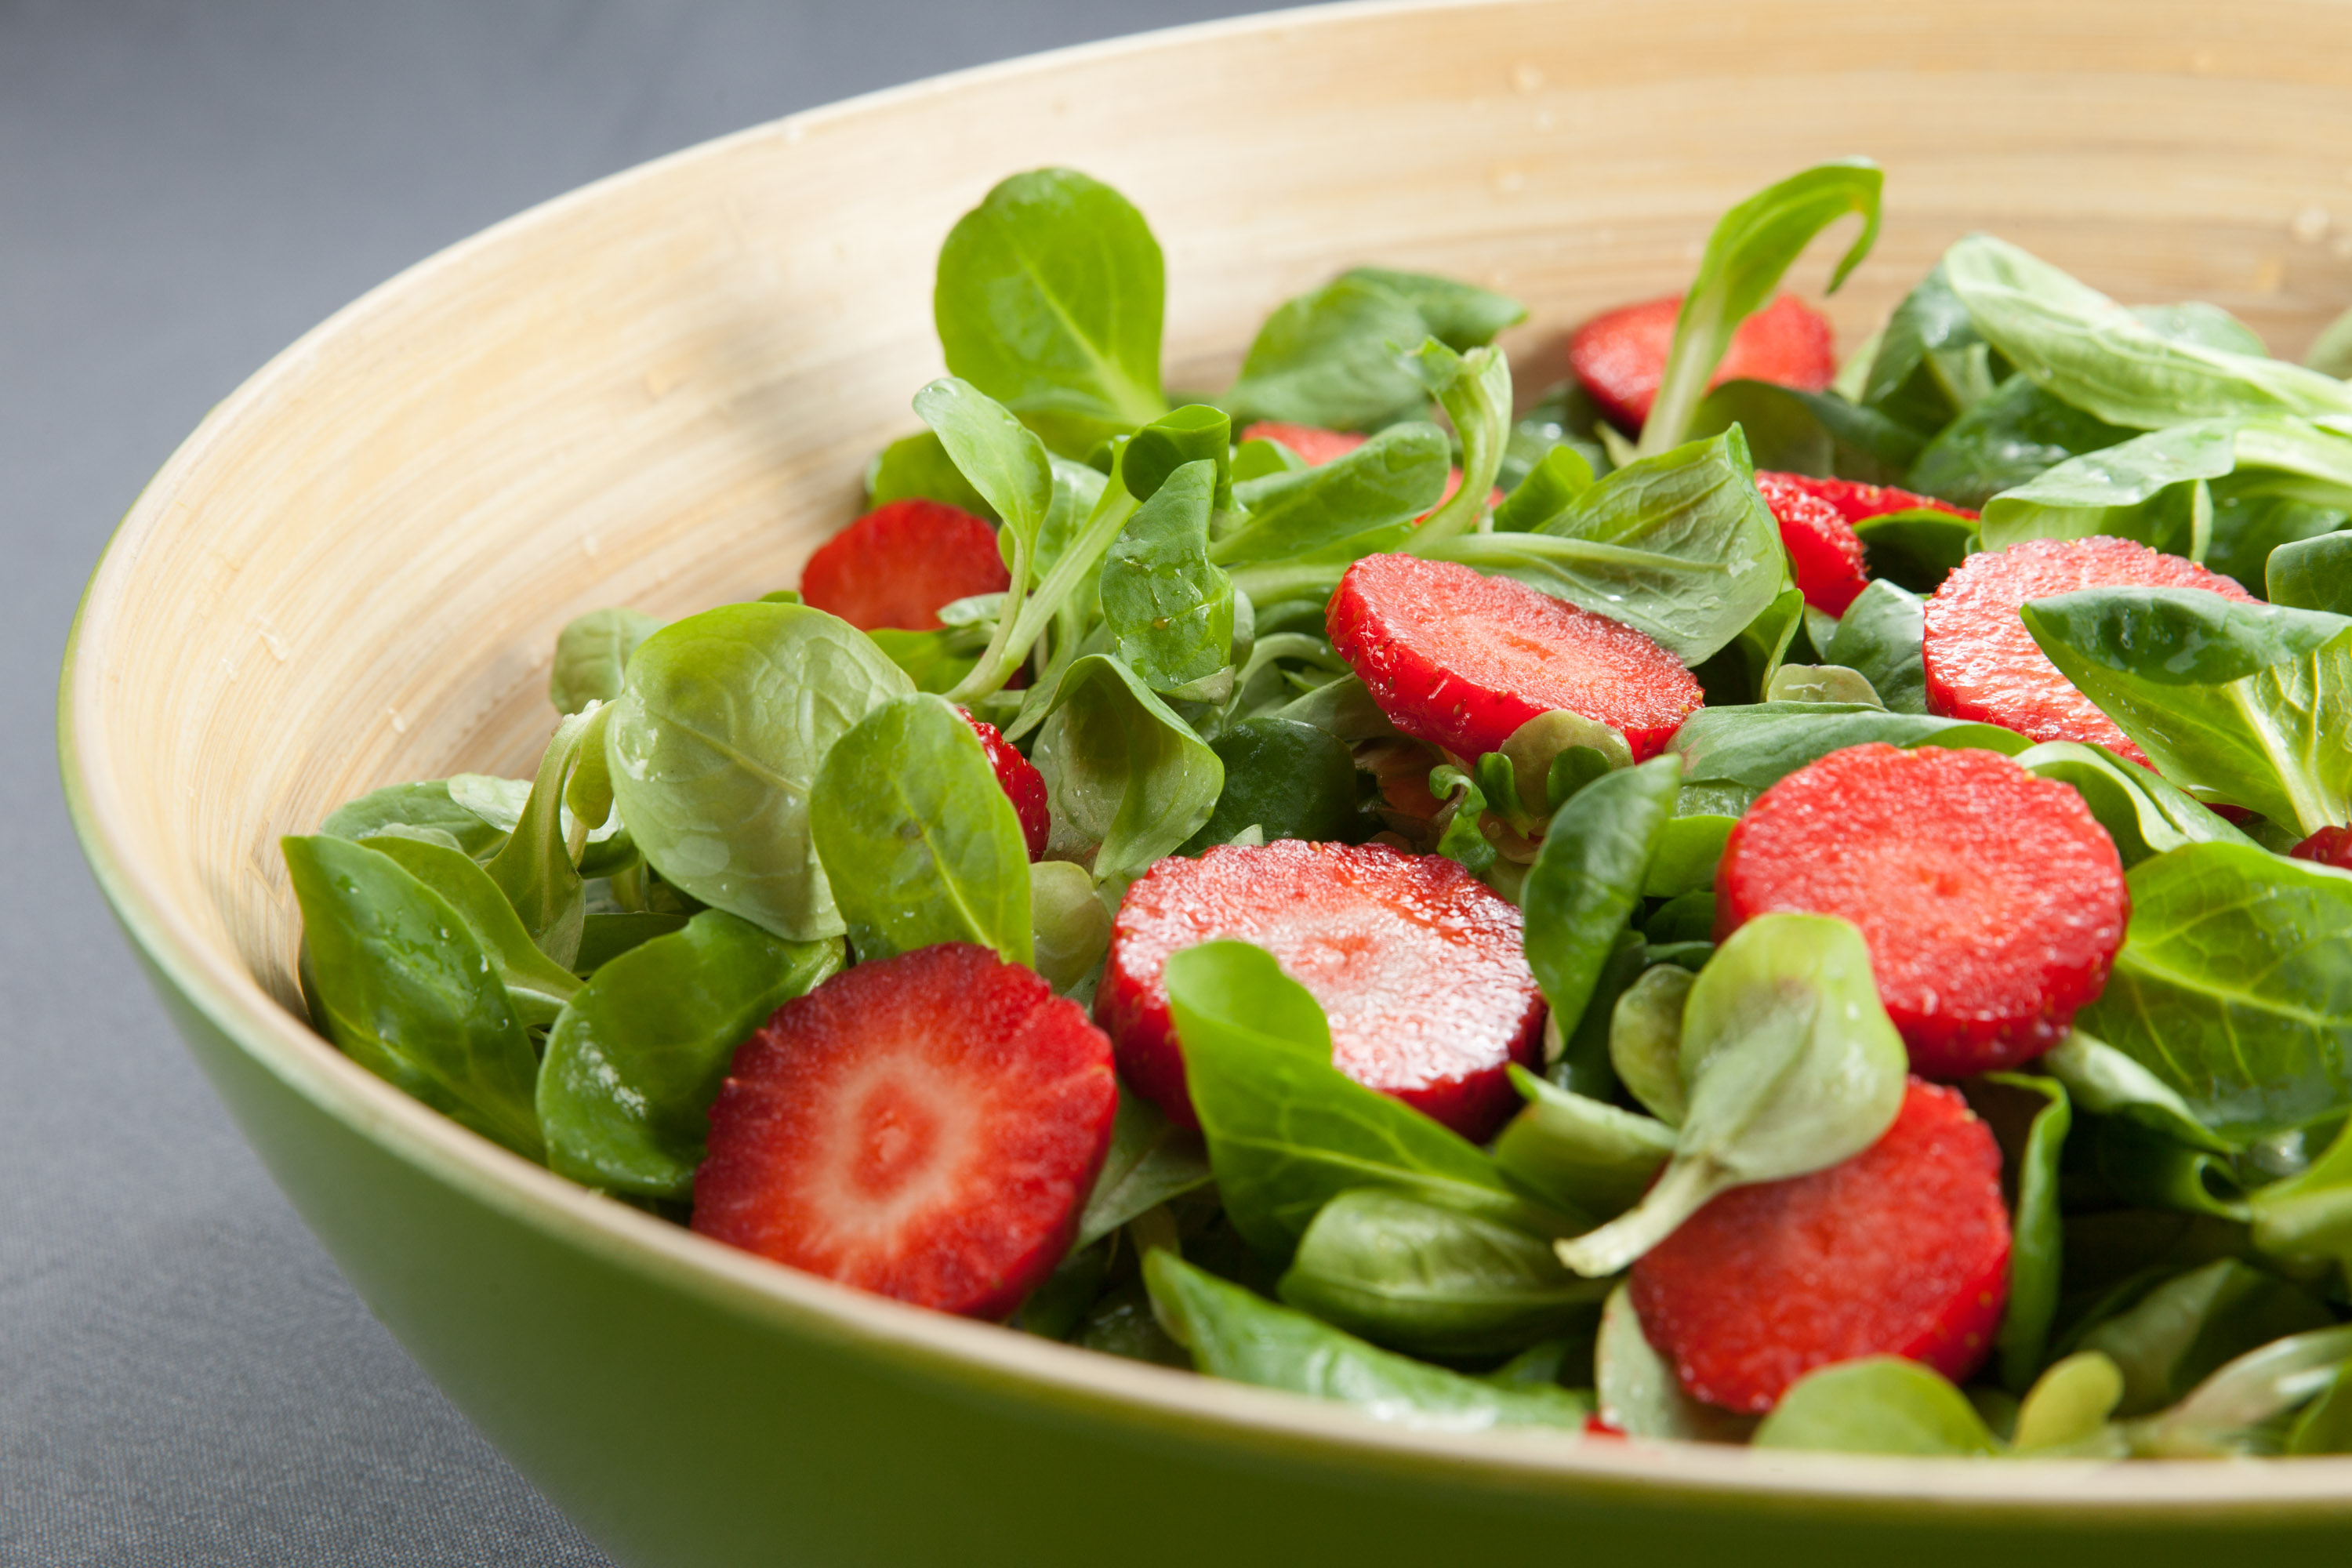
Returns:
(663, 389)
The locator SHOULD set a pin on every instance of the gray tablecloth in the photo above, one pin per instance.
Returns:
(184, 188)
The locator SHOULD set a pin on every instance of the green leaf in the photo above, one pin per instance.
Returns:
(1752, 748)
(1431, 1281)
(1920, 376)
(2068, 1406)
(2310, 1215)
(1827, 683)
(1879, 1404)
(1588, 878)
(1288, 779)
(1048, 299)
(1752, 246)
(2141, 812)
(1794, 431)
(1286, 1131)
(2109, 491)
(1123, 771)
(2105, 1082)
(1689, 850)
(1645, 1040)
(2246, 703)
(1579, 1154)
(1461, 316)
(715, 747)
(1679, 547)
(1352, 506)
(1330, 358)
(1071, 929)
(2004, 441)
(425, 808)
(605, 936)
(2186, 1328)
(1738, 673)
(536, 985)
(1550, 488)
(1474, 389)
(918, 467)
(935, 661)
(1638, 1392)
(397, 981)
(1151, 1160)
(2234, 987)
(917, 841)
(1789, 1066)
(2036, 1231)
(2325, 1425)
(1006, 463)
(591, 652)
(2313, 575)
(2237, 1409)
(1465, 840)
(538, 866)
(1170, 612)
(1916, 549)
(2088, 350)
(1236, 1335)
(637, 1058)
(1880, 637)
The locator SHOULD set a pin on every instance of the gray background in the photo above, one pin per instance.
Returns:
(184, 1377)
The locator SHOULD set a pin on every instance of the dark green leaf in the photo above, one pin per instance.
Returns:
(1049, 298)
(2310, 1215)
(2313, 575)
(1739, 672)
(2037, 1235)
(538, 866)
(536, 985)
(917, 840)
(2186, 1328)
(2003, 442)
(603, 937)
(2098, 356)
(1431, 1281)
(1790, 430)
(425, 807)
(1354, 505)
(1752, 246)
(1330, 358)
(1234, 1334)
(1170, 612)
(1550, 488)
(1588, 878)
(1122, 771)
(397, 981)
(637, 1058)
(1678, 546)
(1755, 747)
(1461, 316)
(1579, 1154)
(1286, 1131)
(1881, 636)
(1912, 377)
(1151, 1160)
(2237, 1409)
(2235, 986)
(715, 747)
(1474, 391)
(1288, 779)
(2246, 703)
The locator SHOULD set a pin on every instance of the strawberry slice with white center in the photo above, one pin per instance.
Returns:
(925, 1127)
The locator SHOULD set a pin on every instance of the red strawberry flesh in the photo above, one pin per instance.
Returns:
(1855, 500)
(1902, 1250)
(1621, 355)
(1824, 552)
(926, 1127)
(1462, 661)
(1418, 965)
(2328, 846)
(1991, 900)
(1022, 785)
(897, 565)
(1983, 664)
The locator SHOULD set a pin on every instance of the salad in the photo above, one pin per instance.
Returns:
(1749, 898)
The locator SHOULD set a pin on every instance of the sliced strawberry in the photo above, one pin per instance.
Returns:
(1417, 963)
(1461, 660)
(1024, 786)
(1855, 500)
(926, 1127)
(1824, 552)
(1982, 663)
(1902, 1250)
(2328, 846)
(1621, 356)
(1319, 445)
(899, 563)
(1992, 901)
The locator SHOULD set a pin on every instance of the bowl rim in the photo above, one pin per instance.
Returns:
(1052, 1378)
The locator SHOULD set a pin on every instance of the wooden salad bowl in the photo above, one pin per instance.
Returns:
(661, 390)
